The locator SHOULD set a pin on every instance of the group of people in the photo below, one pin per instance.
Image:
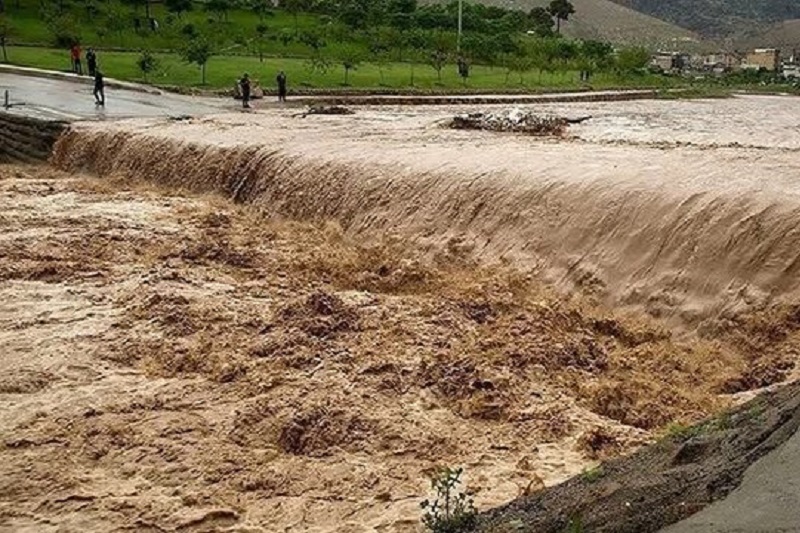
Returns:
(245, 84)
(92, 70)
(245, 87)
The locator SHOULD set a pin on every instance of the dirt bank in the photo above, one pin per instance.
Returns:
(177, 362)
(687, 210)
(670, 480)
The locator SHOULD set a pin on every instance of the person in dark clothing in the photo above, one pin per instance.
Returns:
(91, 61)
(244, 84)
(281, 86)
(99, 89)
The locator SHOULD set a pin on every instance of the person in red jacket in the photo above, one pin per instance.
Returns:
(75, 53)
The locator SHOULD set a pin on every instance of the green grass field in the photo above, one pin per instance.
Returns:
(223, 71)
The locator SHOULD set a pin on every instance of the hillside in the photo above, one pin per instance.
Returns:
(603, 19)
(718, 18)
(784, 35)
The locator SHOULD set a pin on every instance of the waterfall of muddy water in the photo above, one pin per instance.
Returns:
(685, 208)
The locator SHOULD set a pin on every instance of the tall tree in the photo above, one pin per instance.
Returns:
(198, 51)
(295, 7)
(541, 21)
(260, 7)
(220, 8)
(261, 39)
(560, 10)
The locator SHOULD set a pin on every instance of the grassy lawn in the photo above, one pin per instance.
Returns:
(223, 71)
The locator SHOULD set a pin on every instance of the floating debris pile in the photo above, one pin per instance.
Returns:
(515, 120)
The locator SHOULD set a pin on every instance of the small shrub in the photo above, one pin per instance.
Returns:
(679, 431)
(451, 511)
(592, 475)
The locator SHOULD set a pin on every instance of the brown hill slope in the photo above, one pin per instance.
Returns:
(603, 19)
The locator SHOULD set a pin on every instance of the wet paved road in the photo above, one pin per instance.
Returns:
(767, 501)
(68, 100)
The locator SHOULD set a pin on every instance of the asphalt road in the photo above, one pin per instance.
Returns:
(69, 100)
(767, 501)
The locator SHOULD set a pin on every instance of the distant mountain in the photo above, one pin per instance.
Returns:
(606, 20)
(719, 18)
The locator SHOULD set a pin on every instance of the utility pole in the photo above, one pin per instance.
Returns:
(460, 23)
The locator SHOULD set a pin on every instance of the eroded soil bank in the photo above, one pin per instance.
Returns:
(175, 361)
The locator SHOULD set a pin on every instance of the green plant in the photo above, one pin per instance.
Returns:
(680, 431)
(575, 525)
(147, 63)
(592, 475)
(451, 511)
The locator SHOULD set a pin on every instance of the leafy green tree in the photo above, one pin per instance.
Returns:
(295, 7)
(147, 64)
(350, 57)
(219, 8)
(560, 10)
(117, 18)
(632, 59)
(261, 40)
(381, 45)
(541, 22)
(262, 8)
(198, 51)
(442, 49)
(178, 7)
(596, 55)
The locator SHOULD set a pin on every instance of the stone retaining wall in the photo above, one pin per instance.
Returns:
(27, 140)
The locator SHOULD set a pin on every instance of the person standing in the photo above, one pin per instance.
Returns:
(281, 86)
(99, 89)
(244, 85)
(75, 54)
(91, 61)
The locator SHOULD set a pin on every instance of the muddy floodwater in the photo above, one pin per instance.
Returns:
(269, 322)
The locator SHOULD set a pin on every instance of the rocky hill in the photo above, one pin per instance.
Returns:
(719, 18)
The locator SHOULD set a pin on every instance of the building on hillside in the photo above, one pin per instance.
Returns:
(670, 61)
(722, 62)
(791, 70)
(768, 59)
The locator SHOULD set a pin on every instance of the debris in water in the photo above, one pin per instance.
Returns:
(514, 120)
(327, 110)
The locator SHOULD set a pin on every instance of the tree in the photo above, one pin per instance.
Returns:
(5, 33)
(198, 51)
(262, 8)
(351, 57)
(596, 55)
(178, 7)
(220, 8)
(116, 17)
(560, 10)
(541, 22)
(147, 63)
(261, 40)
(442, 46)
(382, 43)
(632, 59)
(295, 7)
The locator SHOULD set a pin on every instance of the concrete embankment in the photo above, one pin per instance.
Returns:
(25, 139)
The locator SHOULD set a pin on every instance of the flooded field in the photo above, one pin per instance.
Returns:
(263, 322)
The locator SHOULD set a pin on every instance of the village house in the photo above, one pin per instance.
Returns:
(768, 59)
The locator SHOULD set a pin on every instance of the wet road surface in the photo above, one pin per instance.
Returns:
(69, 100)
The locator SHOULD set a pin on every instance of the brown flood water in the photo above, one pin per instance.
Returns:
(389, 298)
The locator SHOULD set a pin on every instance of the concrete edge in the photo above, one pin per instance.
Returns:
(74, 78)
